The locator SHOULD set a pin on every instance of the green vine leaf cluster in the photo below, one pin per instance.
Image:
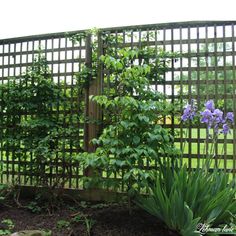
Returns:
(31, 127)
(132, 141)
(87, 72)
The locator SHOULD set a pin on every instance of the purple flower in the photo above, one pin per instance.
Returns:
(213, 118)
(230, 117)
(207, 117)
(210, 105)
(225, 129)
(216, 128)
(189, 112)
(218, 116)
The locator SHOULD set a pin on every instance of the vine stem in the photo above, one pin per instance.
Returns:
(182, 151)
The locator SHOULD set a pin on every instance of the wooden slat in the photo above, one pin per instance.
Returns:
(1, 117)
(234, 98)
(189, 100)
(198, 99)
(216, 87)
(225, 93)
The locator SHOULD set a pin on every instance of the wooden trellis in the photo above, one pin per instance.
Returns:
(204, 70)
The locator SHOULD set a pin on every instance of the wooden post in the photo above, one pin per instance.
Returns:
(93, 111)
(88, 64)
(94, 114)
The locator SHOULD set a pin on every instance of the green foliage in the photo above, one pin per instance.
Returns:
(182, 199)
(63, 224)
(77, 219)
(87, 72)
(34, 207)
(3, 193)
(89, 223)
(6, 227)
(132, 113)
(46, 200)
(30, 127)
(47, 232)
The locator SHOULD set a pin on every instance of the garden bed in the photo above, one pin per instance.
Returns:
(105, 220)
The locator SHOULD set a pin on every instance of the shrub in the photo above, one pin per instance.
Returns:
(31, 130)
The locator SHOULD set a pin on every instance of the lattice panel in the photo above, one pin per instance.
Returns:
(65, 59)
(204, 69)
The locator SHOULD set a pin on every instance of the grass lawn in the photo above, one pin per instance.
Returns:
(195, 150)
(224, 151)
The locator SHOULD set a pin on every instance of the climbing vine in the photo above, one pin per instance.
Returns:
(32, 129)
(132, 140)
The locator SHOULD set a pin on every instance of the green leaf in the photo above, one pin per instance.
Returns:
(136, 140)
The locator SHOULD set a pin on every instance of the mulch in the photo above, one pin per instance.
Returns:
(107, 220)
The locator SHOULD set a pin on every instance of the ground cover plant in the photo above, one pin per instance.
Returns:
(7, 228)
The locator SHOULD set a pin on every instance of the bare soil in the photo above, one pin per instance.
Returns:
(69, 220)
